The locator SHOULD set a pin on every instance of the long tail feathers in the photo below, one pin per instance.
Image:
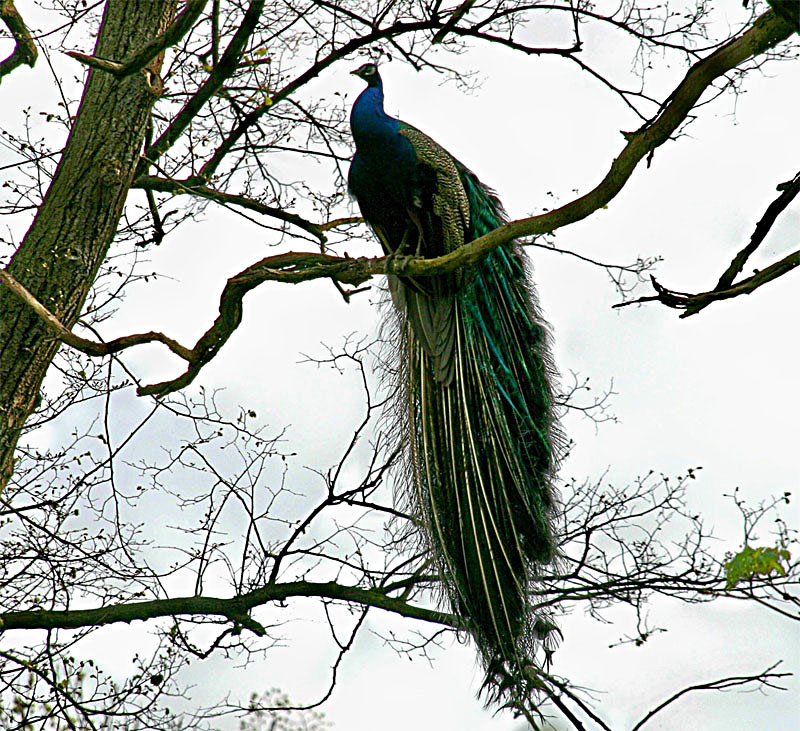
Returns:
(480, 458)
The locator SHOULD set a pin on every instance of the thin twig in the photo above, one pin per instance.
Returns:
(763, 678)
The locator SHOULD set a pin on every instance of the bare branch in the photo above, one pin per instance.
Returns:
(235, 608)
(90, 347)
(693, 303)
(139, 60)
(25, 51)
(455, 16)
(766, 678)
(196, 187)
(790, 189)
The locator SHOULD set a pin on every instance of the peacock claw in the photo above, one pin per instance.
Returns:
(397, 263)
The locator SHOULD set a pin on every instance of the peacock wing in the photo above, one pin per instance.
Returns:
(449, 203)
(441, 214)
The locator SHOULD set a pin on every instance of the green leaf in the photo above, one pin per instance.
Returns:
(750, 562)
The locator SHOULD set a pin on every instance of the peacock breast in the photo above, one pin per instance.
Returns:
(383, 169)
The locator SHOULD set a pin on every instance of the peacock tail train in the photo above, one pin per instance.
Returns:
(475, 403)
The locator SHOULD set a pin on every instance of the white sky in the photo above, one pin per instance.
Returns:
(718, 390)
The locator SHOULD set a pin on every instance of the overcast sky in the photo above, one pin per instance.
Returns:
(718, 390)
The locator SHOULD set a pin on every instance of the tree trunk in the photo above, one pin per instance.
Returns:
(60, 255)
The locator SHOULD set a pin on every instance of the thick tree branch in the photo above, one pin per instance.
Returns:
(455, 16)
(290, 268)
(234, 608)
(25, 49)
(139, 60)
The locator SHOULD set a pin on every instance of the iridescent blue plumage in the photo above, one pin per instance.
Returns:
(475, 408)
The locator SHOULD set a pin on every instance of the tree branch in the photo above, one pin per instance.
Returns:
(25, 49)
(790, 189)
(455, 16)
(139, 60)
(768, 31)
(694, 303)
(90, 347)
(290, 268)
(234, 608)
(563, 688)
(196, 186)
(762, 678)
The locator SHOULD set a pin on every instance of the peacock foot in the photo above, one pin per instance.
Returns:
(398, 263)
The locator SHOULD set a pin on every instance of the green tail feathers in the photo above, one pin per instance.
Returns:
(481, 449)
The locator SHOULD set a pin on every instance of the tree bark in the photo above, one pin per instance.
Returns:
(68, 240)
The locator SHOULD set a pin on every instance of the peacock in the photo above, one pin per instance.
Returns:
(475, 400)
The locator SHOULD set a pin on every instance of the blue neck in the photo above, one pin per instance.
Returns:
(369, 122)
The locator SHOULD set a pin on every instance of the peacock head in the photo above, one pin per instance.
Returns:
(368, 72)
